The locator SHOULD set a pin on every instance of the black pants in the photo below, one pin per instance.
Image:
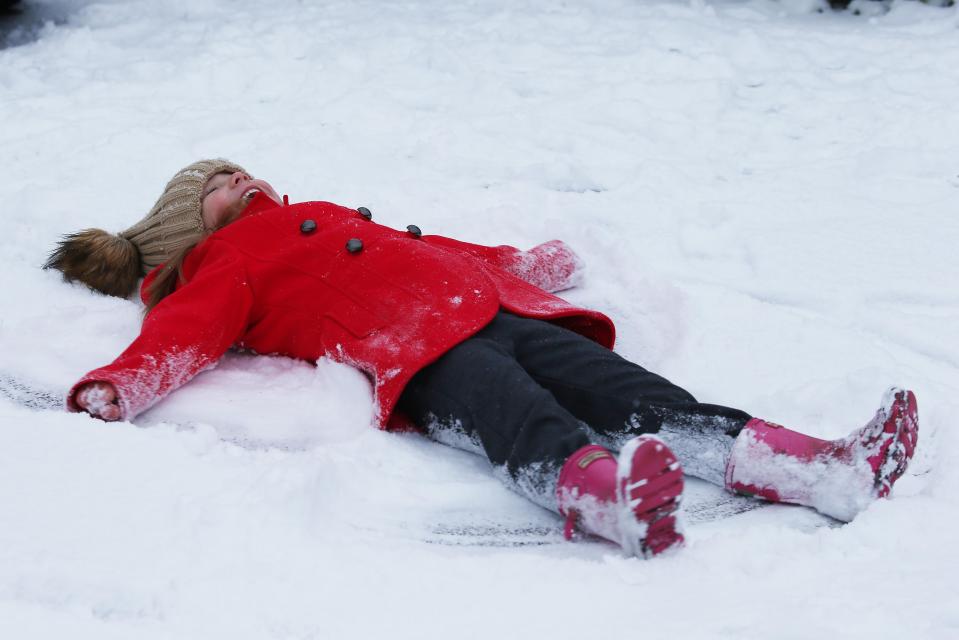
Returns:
(528, 393)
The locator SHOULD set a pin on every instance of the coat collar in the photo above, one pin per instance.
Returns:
(260, 203)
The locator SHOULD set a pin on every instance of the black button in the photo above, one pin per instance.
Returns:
(308, 226)
(354, 245)
(366, 213)
(413, 230)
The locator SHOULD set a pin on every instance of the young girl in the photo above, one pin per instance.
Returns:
(462, 341)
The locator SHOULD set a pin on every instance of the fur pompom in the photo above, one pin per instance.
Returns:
(105, 262)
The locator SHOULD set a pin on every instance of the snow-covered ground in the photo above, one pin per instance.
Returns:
(768, 202)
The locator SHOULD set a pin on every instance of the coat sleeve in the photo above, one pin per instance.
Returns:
(551, 266)
(187, 332)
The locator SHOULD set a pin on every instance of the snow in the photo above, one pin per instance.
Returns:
(765, 200)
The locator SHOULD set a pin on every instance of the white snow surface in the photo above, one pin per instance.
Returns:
(767, 202)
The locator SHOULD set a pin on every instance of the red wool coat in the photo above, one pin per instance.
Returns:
(283, 280)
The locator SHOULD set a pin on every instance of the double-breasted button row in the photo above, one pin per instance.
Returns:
(355, 245)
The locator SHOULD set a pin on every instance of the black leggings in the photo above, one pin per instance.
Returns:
(528, 393)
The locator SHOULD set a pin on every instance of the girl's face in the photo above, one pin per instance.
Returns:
(226, 195)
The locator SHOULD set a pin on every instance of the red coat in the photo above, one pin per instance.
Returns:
(281, 280)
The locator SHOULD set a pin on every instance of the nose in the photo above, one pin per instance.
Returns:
(238, 177)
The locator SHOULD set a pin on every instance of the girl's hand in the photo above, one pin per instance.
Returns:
(99, 399)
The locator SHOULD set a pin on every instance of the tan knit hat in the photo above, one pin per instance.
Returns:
(113, 264)
(177, 215)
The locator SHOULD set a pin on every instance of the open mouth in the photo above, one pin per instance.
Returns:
(249, 194)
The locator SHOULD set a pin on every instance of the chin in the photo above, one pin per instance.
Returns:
(232, 213)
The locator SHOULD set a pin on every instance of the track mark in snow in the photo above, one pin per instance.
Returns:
(28, 396)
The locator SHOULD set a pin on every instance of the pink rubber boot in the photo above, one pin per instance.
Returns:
(839, 478)
(631, 500)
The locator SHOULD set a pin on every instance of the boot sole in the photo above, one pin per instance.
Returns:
(649, 486)
(901, 430)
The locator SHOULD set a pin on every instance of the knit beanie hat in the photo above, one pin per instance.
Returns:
(113, 264)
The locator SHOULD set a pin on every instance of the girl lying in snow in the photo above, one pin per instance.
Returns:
(461, 341)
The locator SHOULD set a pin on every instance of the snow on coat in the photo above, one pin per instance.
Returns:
(282, 280)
